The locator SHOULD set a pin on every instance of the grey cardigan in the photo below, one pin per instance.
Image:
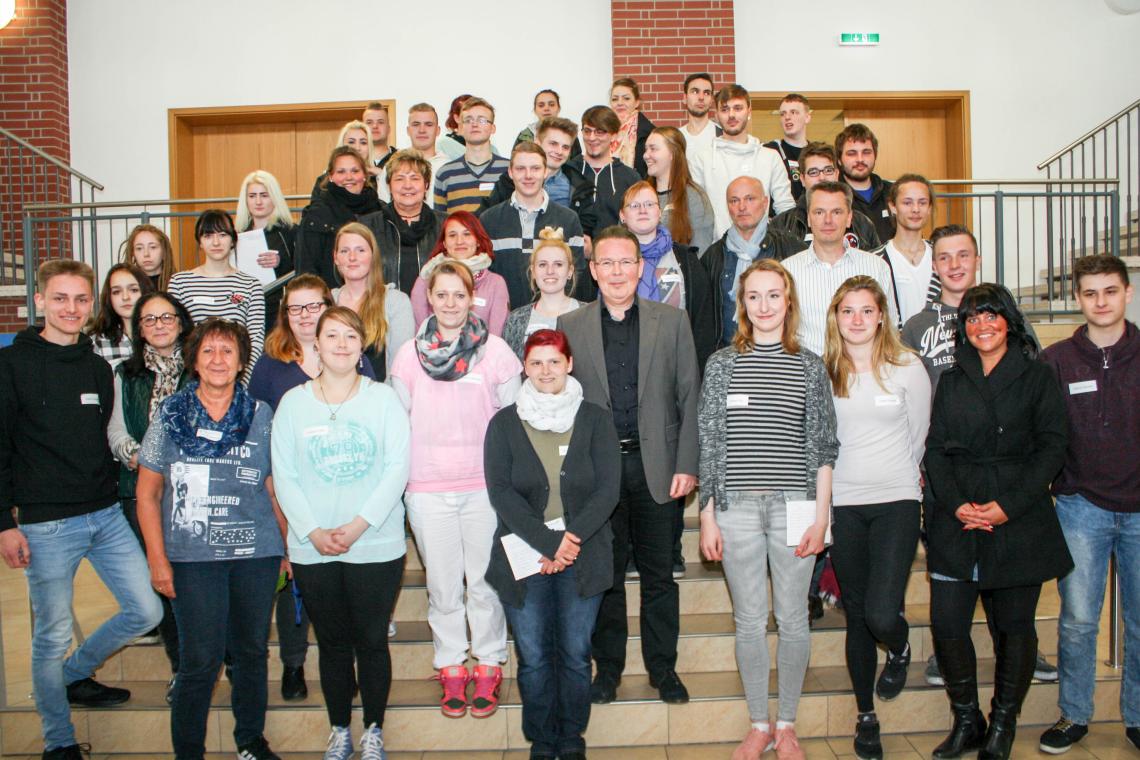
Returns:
(821, 445)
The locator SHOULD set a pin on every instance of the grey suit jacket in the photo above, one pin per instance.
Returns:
(668, 385)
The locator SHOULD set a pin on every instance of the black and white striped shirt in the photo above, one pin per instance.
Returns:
(765, 422)
(237, 297)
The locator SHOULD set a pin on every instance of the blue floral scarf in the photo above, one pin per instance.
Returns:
(190, 426)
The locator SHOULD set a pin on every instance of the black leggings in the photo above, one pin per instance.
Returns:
(873, 551)
(349, 606)
(1009, 610)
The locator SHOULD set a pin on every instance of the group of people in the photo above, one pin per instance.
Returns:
(534, 366)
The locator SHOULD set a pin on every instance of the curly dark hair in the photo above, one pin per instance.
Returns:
(215, 326)
(136, 365)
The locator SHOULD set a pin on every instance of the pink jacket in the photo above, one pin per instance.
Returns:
(491, 301)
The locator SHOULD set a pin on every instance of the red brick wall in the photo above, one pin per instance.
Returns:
(660, 42)
(10, 321)
(33, 75)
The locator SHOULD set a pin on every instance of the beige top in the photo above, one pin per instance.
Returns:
(551, 448)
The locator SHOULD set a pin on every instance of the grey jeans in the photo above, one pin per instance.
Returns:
(754, 531)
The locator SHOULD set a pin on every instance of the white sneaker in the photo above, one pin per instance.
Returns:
(372, 744)
(391, 628)
(340, 744)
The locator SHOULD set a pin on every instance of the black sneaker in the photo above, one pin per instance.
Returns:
(679, 569)
(170, 690)
(933, 674)
(1063, 735)
(73, 752)
(631, 571)
(293, 685)
(670, 688)
(1043, 670)
(1132, 734)
(257, 749)
(868, 746)
(90, 693)
(893, 678)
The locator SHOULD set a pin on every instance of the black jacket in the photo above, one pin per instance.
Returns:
(392, 245)
(608, 187)
(644, 128)
(699, 302)
(861, 234)
(998, 438)
(581, 196)
(55, 402)
(877, 210)
(776, 245)
(518, 489)
(319, 222)
(283, 240)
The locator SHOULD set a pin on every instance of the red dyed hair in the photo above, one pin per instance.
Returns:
(452, 122)
(474, 226)
(554, 338)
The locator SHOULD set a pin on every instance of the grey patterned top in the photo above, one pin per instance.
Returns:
(821, 446)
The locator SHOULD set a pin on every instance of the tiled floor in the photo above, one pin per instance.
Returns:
(1105, 742)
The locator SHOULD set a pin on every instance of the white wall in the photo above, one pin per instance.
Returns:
(131, 60)
(1040, 72)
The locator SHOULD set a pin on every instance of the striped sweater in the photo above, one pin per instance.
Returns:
(236, 296)
(459, 186)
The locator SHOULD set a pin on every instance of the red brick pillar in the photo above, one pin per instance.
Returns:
(660, 42)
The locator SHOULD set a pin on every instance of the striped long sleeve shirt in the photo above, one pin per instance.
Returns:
(460, 186)
(235, 296)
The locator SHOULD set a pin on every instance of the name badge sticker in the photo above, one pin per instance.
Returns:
(671, 277)
(471, 379)
(1088, 386)
(479, 301)
(888, 399)
(563, 449)
(886, 213)
(486, 187)
(737, 401)
(210, 435)
(315, 430)
(89, 399)
(204, 300)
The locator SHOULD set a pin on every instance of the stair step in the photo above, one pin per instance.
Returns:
(637, 717)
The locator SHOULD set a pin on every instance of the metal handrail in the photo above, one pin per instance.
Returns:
(1087, 135)
(1038, 181)
(51, 159)
(136, 204)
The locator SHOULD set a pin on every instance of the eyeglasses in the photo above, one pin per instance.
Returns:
(313, 308)
(827, 171)
(608, 265)
(590, 132)
(149, 320)
(637, 206)
(482, 121)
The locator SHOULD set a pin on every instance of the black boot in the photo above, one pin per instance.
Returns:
(960, 672)
(1016, 658)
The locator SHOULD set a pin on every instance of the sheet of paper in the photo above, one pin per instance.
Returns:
(249, 246)
(522, 556)
(801, 516)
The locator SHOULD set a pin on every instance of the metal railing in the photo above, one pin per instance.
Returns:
(30, 176)
(1110, 149)
(100, 230)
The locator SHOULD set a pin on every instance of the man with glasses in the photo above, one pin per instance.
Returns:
(609, 177)
(462, 184)
(636, 358)
(818, 163)
(751, 237)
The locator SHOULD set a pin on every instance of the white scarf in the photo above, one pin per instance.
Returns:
(549, 411)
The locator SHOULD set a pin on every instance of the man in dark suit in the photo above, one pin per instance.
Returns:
(636, 358)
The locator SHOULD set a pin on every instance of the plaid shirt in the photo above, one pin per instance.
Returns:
(113, 353)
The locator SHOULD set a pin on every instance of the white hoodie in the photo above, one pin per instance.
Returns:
(723, 161)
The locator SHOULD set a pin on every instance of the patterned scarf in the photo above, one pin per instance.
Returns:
(190, 426)
(661, 278)
(624, 144)
(167, 372)
(449, 360)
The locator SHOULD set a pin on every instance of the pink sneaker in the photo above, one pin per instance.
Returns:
(787, 745)
(485, 700)
(755, 744)
(453, 704)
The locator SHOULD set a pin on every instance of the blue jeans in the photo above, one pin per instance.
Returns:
(57, 547)
(221, 607)
(552, 632)
(1092, 534)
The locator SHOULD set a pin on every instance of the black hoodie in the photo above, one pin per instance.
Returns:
(55, 402)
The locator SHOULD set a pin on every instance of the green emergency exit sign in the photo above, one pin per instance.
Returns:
(859, 38)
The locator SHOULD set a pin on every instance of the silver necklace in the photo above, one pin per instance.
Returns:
(325, 398)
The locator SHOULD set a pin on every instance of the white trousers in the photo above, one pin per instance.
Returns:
(454, 533)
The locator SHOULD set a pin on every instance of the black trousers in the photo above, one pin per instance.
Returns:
(350, 605)
(167, 627)
(1009, 610)
(873, 551)
(648, 526)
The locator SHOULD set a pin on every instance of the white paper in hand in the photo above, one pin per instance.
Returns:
(522, 556)
(249, 246)
(801, 516)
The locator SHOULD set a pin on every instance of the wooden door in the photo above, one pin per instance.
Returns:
(213, 149)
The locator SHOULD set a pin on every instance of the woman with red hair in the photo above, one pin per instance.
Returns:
(553, 476)
(463, 239)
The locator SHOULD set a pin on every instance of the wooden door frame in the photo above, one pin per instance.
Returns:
(180, 123)
(956, 102)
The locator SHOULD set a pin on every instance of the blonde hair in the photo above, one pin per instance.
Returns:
(552, 237)
(281, 214)
(372, 307)
(888, 348)
(408, 157)
(744, 341)
(357, 124)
